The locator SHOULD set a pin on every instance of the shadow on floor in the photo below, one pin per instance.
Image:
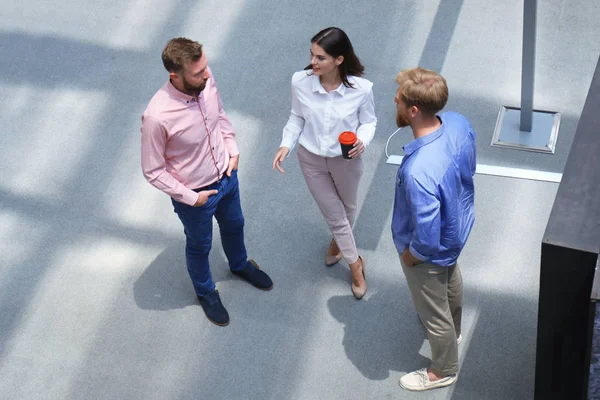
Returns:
(378, 330)
(166, 285)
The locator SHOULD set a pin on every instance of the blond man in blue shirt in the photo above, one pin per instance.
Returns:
(433, 215)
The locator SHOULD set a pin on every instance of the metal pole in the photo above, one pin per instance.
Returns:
(528, 68)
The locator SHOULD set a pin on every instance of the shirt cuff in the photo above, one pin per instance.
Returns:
(365, 134)
(232, 148)
(190, 197)
(416, 254)
(287, 143)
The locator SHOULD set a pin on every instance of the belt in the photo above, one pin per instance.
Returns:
(207, 187)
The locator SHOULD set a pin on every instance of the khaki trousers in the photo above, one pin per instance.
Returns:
(333, 183)
(437, 294)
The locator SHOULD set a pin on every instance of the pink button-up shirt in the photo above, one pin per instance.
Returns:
(186, 143)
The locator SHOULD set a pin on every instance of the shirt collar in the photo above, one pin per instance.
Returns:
(317, 87)
(176, 94)
(425, 140)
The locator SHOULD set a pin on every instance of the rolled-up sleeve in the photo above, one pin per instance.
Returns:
(154, 139)
(293, 128)
(367, 119)
(424, 204)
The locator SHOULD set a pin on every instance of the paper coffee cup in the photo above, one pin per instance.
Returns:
(347, 140)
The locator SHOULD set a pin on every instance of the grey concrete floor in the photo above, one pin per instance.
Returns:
(95, 301)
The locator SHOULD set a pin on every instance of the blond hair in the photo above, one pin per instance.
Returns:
(423, 88)
(178, 51)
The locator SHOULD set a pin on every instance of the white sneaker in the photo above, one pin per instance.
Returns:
(459, 339)
(419, 381)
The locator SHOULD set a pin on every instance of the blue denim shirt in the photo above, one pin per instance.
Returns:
(434, 208)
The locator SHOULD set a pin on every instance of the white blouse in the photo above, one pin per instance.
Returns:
(317, 117)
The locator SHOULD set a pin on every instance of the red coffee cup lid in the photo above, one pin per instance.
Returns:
(347, 137)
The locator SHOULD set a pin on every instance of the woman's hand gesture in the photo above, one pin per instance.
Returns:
(279, 157)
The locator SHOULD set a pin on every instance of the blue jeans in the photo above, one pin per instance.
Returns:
(197, 224)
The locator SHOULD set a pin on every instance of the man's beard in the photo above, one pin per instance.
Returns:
(401, 121)
(193, 89)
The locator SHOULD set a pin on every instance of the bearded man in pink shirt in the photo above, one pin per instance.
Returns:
(189, 152)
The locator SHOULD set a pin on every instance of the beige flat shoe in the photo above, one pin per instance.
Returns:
(357, 291)
(332, 260)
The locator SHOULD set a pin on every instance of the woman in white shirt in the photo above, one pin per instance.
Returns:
(330, 97)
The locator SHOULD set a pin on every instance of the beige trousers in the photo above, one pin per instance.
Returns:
(437, 294)
(333, 183)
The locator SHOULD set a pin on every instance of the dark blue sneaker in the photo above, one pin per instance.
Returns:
(252, 273)
(213, 308)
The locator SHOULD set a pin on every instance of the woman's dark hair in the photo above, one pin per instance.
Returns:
(335, 42)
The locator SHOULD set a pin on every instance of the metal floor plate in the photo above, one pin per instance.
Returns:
(542, 137)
